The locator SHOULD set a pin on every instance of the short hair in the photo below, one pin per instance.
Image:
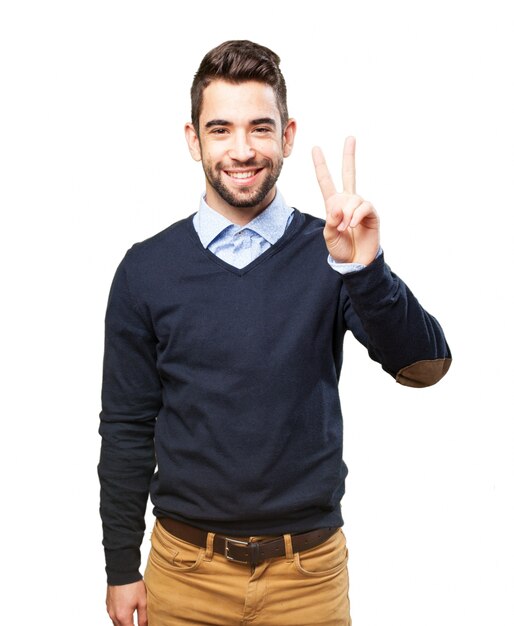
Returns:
(238, 61)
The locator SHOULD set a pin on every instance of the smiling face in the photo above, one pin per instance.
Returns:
(242, 145)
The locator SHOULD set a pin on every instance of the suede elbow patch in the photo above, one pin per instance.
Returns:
(423, 373)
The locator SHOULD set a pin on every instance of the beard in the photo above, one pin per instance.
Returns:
(244, 198)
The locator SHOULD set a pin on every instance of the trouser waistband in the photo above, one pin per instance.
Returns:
(241, 549)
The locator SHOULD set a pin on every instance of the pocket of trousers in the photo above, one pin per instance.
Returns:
(327, 559)
(174, 554)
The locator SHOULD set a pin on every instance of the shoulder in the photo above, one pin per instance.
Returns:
(311, 225)
(172, 235)
(310, 246)
(310, 231)
(160, 247)
(158, 255)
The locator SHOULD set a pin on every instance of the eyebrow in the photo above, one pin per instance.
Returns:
(261, 120)
(211, 123)
(264, 120)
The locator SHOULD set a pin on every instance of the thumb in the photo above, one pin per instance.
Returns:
(333, 219)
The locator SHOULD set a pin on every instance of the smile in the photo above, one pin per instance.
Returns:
(242, 175)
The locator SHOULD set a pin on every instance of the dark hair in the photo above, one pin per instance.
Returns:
(238, 61)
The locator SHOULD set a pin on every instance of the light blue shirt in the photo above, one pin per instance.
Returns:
(240, 245)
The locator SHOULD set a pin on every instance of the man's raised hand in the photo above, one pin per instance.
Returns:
(352, 226)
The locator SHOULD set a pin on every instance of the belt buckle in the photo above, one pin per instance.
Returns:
(236, 542)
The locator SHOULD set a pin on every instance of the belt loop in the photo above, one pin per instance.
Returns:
(289, 548)
(209, 547)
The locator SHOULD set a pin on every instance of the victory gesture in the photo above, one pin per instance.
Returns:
(352, 225)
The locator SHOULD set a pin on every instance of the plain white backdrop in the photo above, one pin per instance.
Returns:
(92, 158)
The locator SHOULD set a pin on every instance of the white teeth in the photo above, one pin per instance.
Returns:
(241, 174)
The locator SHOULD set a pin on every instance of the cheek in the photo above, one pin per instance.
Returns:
(210, 158)
(211, 151)
(272, 151)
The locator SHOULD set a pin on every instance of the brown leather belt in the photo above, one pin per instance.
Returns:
(241, 549)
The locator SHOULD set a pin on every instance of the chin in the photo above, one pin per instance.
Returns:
(245, 200)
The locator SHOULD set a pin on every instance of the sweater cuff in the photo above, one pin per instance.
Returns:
(373, 280)
(123, 566)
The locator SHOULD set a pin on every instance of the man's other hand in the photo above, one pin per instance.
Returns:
(123, 600)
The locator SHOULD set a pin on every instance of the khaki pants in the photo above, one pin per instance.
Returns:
(196, 586)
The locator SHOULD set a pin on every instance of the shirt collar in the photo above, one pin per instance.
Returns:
(270, 224)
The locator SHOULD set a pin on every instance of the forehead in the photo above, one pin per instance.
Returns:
(238, 103)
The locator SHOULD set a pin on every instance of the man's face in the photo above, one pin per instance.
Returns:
(241, 145)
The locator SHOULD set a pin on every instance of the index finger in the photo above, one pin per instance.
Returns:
(325, 181)
(349, 165)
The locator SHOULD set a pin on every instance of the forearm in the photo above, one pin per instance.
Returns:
(125, 470)
(398, 332)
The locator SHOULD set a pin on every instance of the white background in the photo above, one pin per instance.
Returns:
(94, 98)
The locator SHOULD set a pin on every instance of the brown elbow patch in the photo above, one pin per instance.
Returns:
(423, 373)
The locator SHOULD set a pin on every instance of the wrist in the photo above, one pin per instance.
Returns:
(367, 259)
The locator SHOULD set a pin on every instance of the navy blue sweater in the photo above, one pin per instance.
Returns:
(228, 379)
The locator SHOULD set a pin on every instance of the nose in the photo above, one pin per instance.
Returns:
(241, 148)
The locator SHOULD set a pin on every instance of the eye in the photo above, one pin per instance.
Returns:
(218, 131)
(262, 129)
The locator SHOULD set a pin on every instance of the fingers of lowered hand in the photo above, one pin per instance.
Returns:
(325, 181)
(142, 616)
(119, 618)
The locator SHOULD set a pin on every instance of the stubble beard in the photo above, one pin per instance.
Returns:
(245, 199)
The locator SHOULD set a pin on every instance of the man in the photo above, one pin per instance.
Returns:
(222, 359)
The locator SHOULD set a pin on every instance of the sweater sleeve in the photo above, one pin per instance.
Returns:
(131, 399)
(384, 315)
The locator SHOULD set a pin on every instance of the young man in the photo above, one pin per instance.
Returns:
(222, 359)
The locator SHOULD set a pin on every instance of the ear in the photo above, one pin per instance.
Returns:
(193, 142)
(288, 137)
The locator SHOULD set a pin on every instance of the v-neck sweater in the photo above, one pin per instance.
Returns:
(227, 380)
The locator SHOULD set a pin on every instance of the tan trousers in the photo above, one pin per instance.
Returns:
(196, 586)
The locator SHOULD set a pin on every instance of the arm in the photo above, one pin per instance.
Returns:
(131, 399)
(379, 308)
(387, 319)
